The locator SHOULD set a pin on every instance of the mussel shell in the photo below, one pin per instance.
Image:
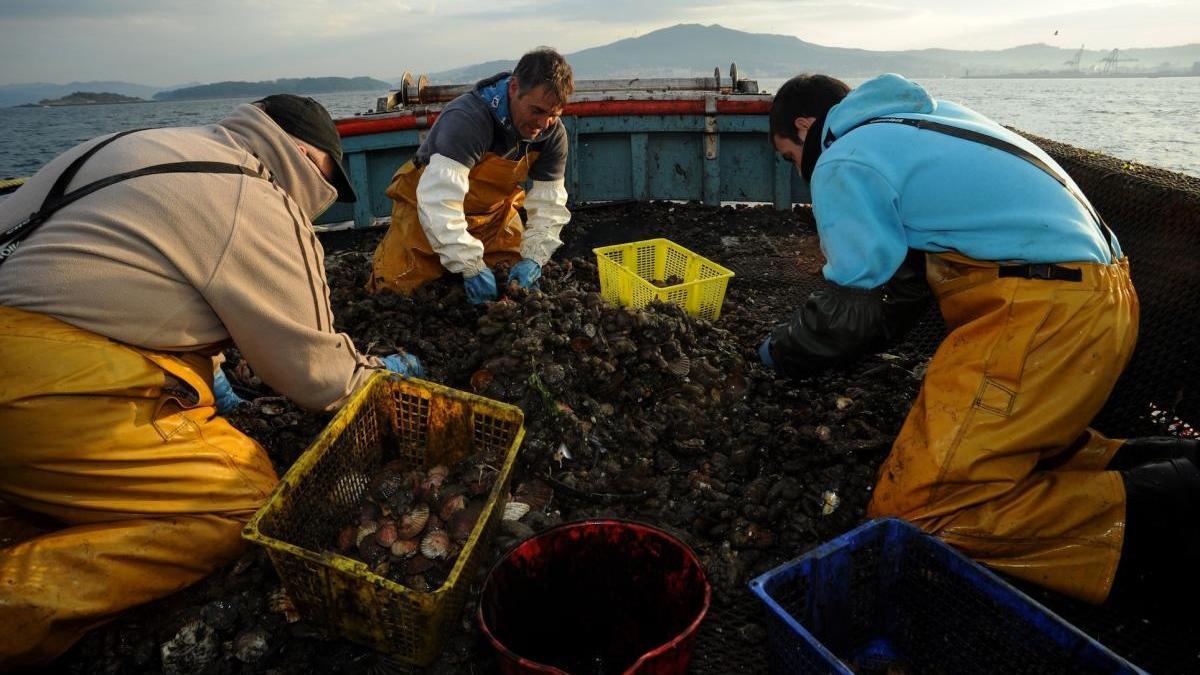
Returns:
(417, 582)
(460, 525)
(536, 493)
(389, 485)
(479, 484)
(370, 511)
(371, 553)
(418, 564)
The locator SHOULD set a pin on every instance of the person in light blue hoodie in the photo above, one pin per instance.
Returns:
(913, 194)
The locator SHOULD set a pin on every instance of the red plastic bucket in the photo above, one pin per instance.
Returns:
(595, 596)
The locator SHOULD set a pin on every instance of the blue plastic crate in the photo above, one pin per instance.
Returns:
(887, 598)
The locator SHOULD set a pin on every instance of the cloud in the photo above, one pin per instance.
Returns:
(172, 41)
(69, 9)
(612, 11)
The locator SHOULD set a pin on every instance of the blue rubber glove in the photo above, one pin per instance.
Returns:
(404, 364)
(526, 273)
(764, 353)
(226, 399)
(481, 288)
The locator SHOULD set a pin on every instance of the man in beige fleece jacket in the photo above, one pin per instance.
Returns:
(111, 311)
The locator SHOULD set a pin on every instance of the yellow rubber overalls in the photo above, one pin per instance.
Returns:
(996, 457)
(122, 450)
(404, 259)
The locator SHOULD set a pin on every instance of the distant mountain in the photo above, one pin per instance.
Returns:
(18, 94)
(692, 50)
(303, 85)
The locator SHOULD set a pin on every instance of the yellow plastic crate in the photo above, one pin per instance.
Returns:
(388, 419)
(627, 270)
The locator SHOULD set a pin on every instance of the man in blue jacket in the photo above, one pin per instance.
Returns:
(912, 194)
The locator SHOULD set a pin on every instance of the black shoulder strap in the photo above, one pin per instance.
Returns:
(56, 199)
(65, 178)
(1012, 149)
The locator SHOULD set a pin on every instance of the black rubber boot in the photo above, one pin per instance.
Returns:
(1161, 552)
(1138, 451)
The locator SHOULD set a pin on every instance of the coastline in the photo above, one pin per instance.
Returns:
(1080, 76)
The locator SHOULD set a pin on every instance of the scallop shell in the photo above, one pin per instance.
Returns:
(680, 366)
(386, 534)
(844, 402)
(514, 510)
(280, 603)
(347, 538)
(365, 529)
(413, 522)
(452, 505)
(435, 545)
(405, 548)
(481, 379)
(824, 433)
(272, 409)
(435, 476)
(829, 502)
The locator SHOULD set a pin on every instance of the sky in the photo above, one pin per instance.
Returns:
(174, 42)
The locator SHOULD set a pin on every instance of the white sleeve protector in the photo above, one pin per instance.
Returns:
(546, 211)
(440, 194)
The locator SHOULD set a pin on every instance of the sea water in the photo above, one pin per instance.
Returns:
(1151, 121)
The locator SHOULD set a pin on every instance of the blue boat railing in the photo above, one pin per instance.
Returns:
(709, 148)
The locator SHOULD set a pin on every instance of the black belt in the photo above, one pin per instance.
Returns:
(1041, 271)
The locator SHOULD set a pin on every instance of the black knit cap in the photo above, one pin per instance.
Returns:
(308, 120)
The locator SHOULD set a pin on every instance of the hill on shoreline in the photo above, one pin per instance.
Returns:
(90, 98)
(302, 85)
(692, 50)
(18, 94)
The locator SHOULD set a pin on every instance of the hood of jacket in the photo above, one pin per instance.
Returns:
(254, 130)
(885, 95)
(493, 91)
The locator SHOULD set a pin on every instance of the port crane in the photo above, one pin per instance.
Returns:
(1112, 62)
(1074, 60)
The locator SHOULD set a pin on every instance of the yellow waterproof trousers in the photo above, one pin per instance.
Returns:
(404, 260)
(122, 449)
(996, 456)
